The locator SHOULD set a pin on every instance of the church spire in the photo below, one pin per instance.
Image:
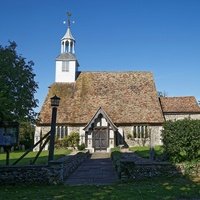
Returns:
(66, 62)
(68, 41)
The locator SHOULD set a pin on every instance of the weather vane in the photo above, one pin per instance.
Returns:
(68, 18)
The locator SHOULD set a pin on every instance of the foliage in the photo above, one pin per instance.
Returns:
(17, 86)
(129, 136)
(43, 158)
(116, 157)
(59, 144)
(191, 168)
(72, 139)
(81, 147)
(117, 148)
(151, 189)
(162, 94)
(181, 140)
(26, 134)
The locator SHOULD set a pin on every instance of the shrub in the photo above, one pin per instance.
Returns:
(181, 140)
(116, 157)
(72, 140)
(26, 134)
(59, 144)
(81, 147)
(115, 149)
(129, 136)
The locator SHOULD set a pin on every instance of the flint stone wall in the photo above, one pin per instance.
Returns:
(130, 170)
(54, 173)
(131, 167)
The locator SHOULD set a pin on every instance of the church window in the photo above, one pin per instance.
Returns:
(146, 133)
(65, 66)
(58, 132)
(140, 132)
(61, 132)
(66, 131)
(135, 132)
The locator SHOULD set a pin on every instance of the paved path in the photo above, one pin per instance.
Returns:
(97, 170)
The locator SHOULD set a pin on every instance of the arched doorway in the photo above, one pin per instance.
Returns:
(100, 132)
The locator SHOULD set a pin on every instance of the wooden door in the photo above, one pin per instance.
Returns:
(100, 139)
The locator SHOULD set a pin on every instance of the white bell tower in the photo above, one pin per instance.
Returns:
(66, 62)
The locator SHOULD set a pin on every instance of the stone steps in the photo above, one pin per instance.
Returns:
(97, 170)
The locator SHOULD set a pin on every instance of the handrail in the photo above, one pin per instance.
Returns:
(31, 148)
(41, 148)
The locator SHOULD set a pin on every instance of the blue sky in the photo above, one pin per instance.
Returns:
(161, 36)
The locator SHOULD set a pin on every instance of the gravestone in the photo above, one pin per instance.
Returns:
(1, 150)
(23, 147)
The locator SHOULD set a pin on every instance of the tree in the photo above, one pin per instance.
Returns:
(162, 94)
(26, 134)
(17, 86)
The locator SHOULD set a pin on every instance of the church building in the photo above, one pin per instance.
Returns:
(108, 109)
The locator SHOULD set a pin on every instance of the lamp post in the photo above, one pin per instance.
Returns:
(54, 104)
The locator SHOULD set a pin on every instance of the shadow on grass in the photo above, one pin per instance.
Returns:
(155, 188)
(165, 188)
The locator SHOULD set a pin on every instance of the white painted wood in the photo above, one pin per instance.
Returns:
(82, 135)
(104, 122)
(37, 137)
(66, 77)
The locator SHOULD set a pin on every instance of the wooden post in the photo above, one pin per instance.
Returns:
(7, 150)
(52, 134)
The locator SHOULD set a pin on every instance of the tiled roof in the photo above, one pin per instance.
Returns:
(186, 104)
(127, 97)
(66, 56)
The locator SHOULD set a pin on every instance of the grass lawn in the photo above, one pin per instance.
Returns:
(43, 158)
(165, 189)
(144, 151)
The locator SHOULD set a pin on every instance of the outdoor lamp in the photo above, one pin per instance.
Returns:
(55, 101)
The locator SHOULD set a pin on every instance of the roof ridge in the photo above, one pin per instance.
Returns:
(179, 97)
(116, 72)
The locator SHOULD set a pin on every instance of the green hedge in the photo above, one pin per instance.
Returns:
(71, 140)
(116, 157)
(181, 140)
